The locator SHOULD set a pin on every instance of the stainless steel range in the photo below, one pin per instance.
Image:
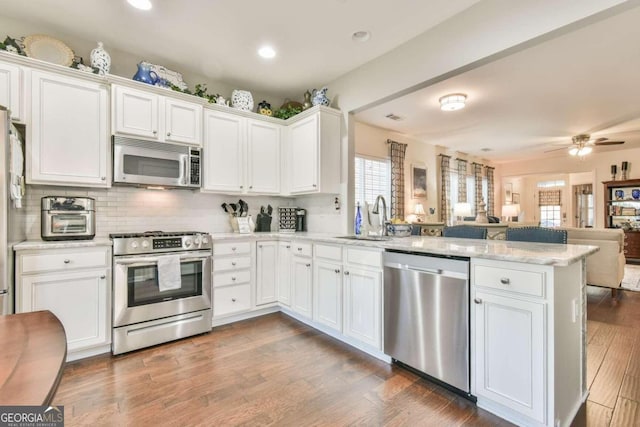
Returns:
(161, 288)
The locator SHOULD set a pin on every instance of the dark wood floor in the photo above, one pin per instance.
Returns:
(276, 371)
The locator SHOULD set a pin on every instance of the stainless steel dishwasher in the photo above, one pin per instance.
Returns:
(426, 315)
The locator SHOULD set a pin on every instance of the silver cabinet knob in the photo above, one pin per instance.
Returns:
(260, 246)
(155, 132)
(337, 271)
(233, 249)
(233, 279)
(241, 187)
(308, 265)
(299, 249)
(314, 185)
(103, 276)
(477, 300)
(168, 133)
(233, 263)
(346, 273)
(250, 187)
(505, 280)
(67, 261)
(288, 247)
(103, 178)
(233, 300)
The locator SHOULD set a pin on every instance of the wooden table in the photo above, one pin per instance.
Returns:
(33, 349)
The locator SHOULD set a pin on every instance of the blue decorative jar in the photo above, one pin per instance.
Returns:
(619, 194)
(635, 193)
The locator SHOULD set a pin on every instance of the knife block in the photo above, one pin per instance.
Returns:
(263, 223)
(241, 224)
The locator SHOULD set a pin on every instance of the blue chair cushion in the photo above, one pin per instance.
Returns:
(465, 231)
(536, 234)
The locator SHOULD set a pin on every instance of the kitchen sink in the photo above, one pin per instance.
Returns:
(369, 238)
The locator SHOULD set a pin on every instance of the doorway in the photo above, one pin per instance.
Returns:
(583, 205)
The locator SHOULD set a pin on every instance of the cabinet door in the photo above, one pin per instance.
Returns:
(183, 121)
(304, 156)
(135, 112)
(267, 273)
(327, 294)
(363, 305)
(79, 299)
(509, 353)
(302, 276)
(263, 157)
(284, 273)
(11, 90)
(224, 139)
(68, 136)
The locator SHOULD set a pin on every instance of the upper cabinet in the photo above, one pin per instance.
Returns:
(241, 155)
(151, 116)
(11, 90)
(314, 152)
(68, 133)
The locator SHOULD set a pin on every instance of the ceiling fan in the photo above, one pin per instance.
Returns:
(582, 144)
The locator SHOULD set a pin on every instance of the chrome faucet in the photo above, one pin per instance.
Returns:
(376, 210)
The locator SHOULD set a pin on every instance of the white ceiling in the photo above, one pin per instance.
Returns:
(587, 81)
(219, 39)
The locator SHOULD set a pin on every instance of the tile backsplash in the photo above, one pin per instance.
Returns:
(131, 209)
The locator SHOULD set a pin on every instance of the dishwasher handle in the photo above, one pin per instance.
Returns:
(433, 271)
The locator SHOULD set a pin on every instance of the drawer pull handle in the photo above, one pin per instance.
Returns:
(308, 265)
(337, 271)
(477, 300)
(505, 280)
(67, 261)
(233, 279)
(233, 263)
(233, 249)
(346, 273)
(288, 247)
(233, 300)
(155, 132)
(103, 276)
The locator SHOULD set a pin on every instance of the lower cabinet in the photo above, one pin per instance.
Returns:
(363, 305)
(75, 285)
(266, 272)
(510, 352)
(327, 294)
(301, 281)
(233, 277)
(284, 273)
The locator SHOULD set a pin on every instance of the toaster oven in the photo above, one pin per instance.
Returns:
(67, 218)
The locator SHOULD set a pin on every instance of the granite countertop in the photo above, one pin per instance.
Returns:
(61, 244)
(526, 252)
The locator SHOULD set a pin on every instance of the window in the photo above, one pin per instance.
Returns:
(551, 184)
(372, 178)
(550, 216)
(471, 191)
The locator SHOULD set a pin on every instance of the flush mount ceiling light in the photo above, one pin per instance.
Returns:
(453, 101)
(267, 52)
(140, 4)
(361, 36)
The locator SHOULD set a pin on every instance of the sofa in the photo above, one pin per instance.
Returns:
(605, 267)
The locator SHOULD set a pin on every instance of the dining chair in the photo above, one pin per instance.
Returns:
(536, 234)
(465, 231)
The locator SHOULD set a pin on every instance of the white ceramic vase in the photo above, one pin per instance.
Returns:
(242, 100)
(100, 59)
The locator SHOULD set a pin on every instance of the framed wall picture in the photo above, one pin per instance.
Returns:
(515, 198)
(418, 181)
(508, 192)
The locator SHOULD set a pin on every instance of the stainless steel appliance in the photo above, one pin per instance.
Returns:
(301, 220)
(144, 313)
(67, 218)
(12, 215)
(426, 315)
(155, 164)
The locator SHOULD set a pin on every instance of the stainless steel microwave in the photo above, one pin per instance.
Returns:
(155, 164)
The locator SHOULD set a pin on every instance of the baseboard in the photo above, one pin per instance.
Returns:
(219, 321)
(83, 354)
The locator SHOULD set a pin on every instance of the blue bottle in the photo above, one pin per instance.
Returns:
(358, 224)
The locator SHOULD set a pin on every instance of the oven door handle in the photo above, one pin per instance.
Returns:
(141, 261)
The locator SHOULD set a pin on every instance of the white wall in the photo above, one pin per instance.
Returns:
(599, 163)
(372, 141)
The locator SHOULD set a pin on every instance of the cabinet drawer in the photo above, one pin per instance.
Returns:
(59, 260)
(301, 249)
(520, 281)
(232, 248)
(363, 257)
(232, 278)
(232, 263)
(331, 252)
(231, 299)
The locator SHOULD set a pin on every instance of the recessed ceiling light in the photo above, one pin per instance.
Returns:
(361, 36)
(267, 52)
(453, 101)
(486, 149)
(140, 4)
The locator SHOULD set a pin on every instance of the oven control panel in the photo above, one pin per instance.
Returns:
(134, 245)
(167, 243)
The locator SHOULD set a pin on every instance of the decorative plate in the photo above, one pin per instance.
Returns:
(48, 49)
(167, 75)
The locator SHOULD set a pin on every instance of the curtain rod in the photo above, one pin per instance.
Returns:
(389, 141)
(444, 155)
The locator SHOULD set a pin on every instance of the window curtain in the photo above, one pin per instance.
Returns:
(445, 189)
(462, 180)
(398, 152)
(491, 202)
(477, 178)
(549, 197)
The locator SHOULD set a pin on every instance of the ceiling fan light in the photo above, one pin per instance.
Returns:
(584, 151)
(452, 102)
(574, 151)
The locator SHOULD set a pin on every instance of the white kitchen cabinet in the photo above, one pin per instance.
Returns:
(148, 115)
(242, 156)
(263, 157)
(11, 94)
(314, 152)
(510, 356)
(266, 272)
(68, 136)
(363, 305)
(233, 277)
(301, 283)
(327, 294)
(284, 273)
(75, 285)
